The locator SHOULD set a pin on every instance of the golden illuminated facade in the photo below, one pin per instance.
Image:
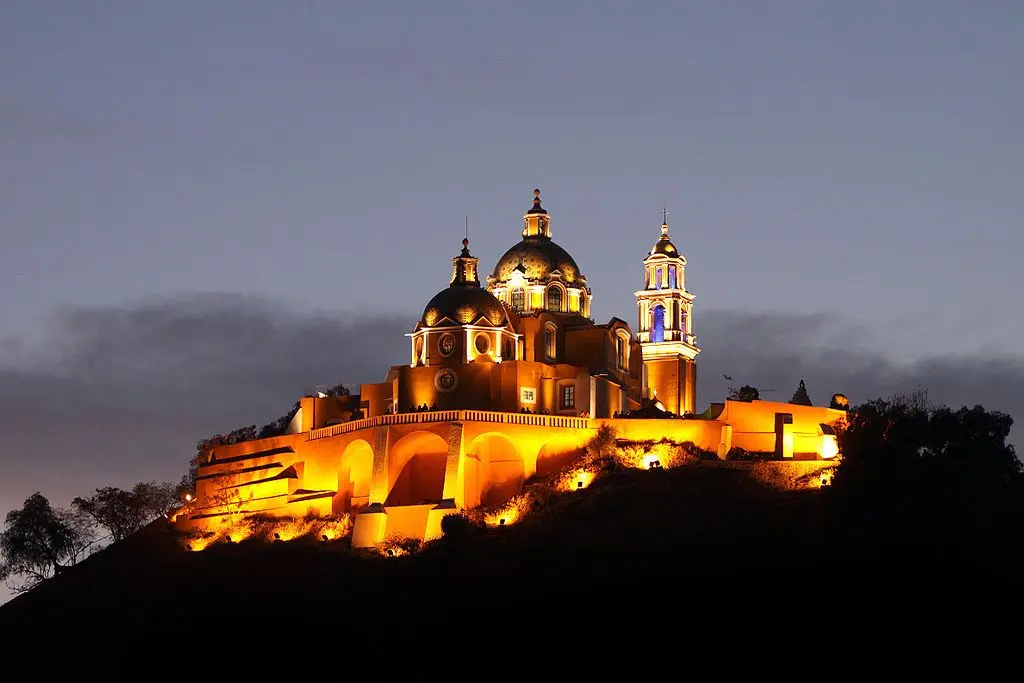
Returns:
(503, 383)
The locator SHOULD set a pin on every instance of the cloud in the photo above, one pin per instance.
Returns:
(115, 395)
(231, 355)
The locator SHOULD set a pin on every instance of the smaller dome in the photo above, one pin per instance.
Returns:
(664, 244)
(461, 305)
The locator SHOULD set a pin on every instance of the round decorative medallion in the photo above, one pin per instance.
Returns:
(446, 344)
(446, 380)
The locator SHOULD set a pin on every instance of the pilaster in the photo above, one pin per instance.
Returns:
(379, 482)
(454, 470)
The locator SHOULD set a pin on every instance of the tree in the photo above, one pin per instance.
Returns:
(39, 541)
(122, 512)
(800, 396)
(744, 393)
(909, 466)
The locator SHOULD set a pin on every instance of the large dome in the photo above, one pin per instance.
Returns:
(539, 257)
(462, 305)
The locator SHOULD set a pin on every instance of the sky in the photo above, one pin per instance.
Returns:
(208, 208)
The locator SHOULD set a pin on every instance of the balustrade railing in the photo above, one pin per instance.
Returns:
(498, 417)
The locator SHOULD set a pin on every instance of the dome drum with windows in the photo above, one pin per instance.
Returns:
(539, 275)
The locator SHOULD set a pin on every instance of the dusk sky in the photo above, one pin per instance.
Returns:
(208, 208)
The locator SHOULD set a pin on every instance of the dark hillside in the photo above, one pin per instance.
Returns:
(633, 538)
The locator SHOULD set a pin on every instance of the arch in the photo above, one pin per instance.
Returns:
(416, 468)
(671, 277)
(418, 350)
(555, 298)
(494, 470)
(508, 351)
(658, 323)
(355, 476)
(682, 320)
(554, 455)
(657, 277)
(518, 298)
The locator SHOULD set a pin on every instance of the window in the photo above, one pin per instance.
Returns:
(671, 277)
(527, 395)
(518, 300)
(657, 278)
(554, 298)
(509, 351)
(550, 342)
(682, 321)
(568, 396)
(482, 343)
(658, 328)
(622, 352)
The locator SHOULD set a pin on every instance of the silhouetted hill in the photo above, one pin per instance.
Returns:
(642, 540)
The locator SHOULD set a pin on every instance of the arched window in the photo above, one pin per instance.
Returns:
(671, 277)
(518, 299)
(657, 278)
(554, 298)
(550, 342)
(658, 327)
(622, 352)
(508, 352)
(682, 321)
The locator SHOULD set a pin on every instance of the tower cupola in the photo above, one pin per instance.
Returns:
(464, 268)
(538, 224)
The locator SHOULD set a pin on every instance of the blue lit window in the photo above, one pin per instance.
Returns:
(658, 328)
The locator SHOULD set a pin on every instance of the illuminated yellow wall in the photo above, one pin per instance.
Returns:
(754, 427)
(378, 396)
(482, 457)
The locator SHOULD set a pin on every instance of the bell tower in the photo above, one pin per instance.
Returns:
(665, 329)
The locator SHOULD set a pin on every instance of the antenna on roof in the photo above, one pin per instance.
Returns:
(467, 226)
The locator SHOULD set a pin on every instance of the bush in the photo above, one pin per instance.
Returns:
(456, 525)
(737, 453)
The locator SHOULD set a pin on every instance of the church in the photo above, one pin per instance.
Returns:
(508, 378)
